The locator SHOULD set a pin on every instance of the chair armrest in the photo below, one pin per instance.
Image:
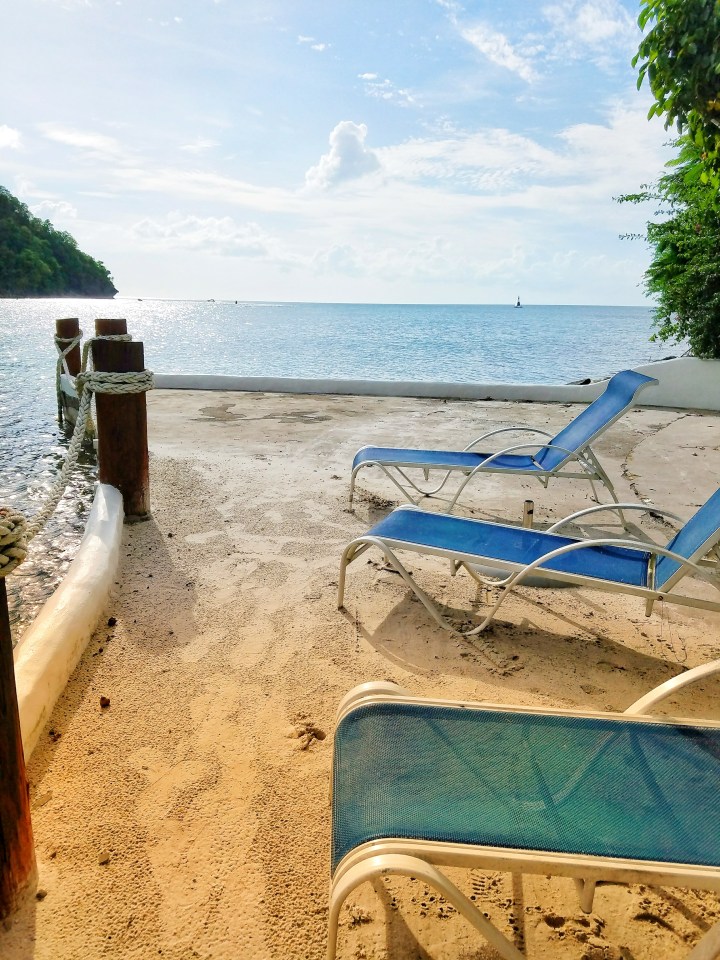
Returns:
(612, 506)
(639, 546)
(669, 687)
(493, 433)
(526, 446)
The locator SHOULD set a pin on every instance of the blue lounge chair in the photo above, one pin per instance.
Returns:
(568, 454)
(621, 797)
(621, 565)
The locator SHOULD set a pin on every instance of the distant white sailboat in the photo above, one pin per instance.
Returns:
(518, 304)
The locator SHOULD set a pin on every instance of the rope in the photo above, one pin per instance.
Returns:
(13, 540)
(125, 337)
(85, 366)
(64, 345)
(15, 531)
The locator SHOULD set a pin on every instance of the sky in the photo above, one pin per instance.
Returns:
(388, 151)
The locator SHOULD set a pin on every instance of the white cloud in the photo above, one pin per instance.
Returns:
(486, 160)
(498, 49)
(385, 90)
(9, 137)
(599, 159)
(199, 185)
(92, 142)
(594, 28)
(54, 210)
(348, 159)
(313, 43)
(216, 235)
(199, 145)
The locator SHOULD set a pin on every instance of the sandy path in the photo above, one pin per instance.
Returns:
(190, 817)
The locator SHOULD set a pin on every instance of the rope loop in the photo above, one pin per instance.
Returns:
(121, 337)
(115, 383)
(13, 540)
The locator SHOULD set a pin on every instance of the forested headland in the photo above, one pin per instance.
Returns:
(36, 260)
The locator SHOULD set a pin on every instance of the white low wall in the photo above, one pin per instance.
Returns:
(51, 647)
(685, 383)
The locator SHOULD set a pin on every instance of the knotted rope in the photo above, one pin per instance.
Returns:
(15, 531)
(64, 345)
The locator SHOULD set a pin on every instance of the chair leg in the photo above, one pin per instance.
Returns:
(352, 489)
(586, 894)
(353, 550)
(356, 547)
(403, 865)
(709, 946)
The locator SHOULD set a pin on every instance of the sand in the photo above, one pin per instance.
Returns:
(189, 817)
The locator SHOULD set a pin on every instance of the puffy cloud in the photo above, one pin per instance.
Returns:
(54, 210)
(498, 49)
(348, 158)
(9, 137)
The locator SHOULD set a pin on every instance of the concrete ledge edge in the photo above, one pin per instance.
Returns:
(685, 383)
(52, 645)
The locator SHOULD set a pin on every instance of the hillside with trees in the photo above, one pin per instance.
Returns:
(36, 260)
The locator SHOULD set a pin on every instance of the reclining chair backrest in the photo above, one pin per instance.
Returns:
(619, 396)
(700, 534)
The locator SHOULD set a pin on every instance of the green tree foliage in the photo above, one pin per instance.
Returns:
(680, 58)
(36, 260)
(684, 274)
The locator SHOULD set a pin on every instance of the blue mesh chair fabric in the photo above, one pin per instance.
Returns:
(618, 788)
(698, 535)
(441, 459)
(617, 397)
(518, 545)
(619, 394)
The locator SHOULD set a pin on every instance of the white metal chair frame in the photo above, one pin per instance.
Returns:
(590, 468)
(421, 859)
(517, 574)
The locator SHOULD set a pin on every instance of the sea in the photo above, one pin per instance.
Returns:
(453, 343)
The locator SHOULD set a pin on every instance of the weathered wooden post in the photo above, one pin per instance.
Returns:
(122, 422)
(18, 871)
(68, 329)
(106, 327)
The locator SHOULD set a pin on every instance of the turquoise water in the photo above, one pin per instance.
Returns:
(536, 344)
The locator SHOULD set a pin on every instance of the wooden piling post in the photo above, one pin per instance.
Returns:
(18, 870)
(122, 426)
(106, 327)
(67, 329)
